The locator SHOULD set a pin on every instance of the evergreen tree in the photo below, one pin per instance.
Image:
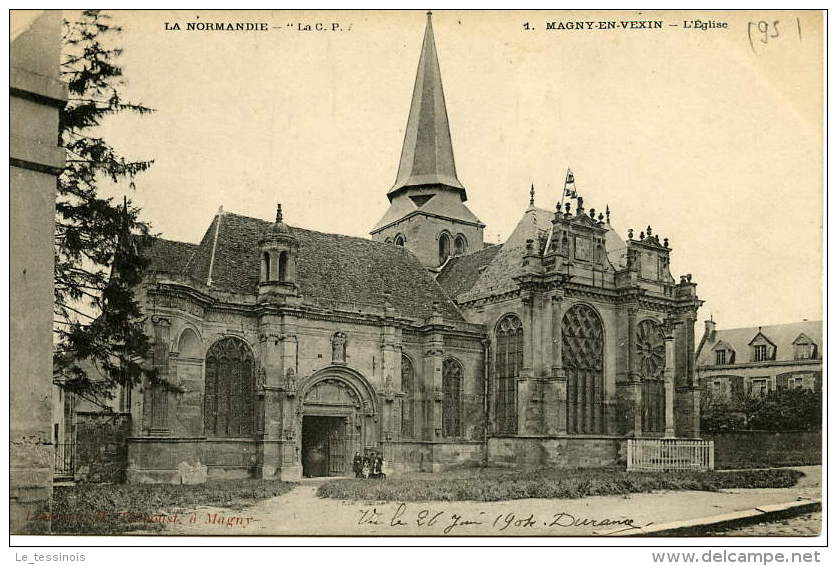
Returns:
(99, 243)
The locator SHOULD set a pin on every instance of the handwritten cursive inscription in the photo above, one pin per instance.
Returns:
(449, 522)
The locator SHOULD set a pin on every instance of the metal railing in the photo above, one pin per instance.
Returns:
(670, 454)
(65, 455)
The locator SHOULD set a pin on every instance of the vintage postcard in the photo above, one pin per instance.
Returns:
(414, 273)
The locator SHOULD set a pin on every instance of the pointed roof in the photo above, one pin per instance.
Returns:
(427, 155)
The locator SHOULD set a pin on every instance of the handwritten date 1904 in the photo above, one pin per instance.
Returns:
(451, 522)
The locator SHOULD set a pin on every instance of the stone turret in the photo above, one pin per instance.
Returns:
(277, 252)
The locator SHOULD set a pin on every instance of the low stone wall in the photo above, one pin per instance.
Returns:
(559, 452)
(759, 449)
(423, 456)
(157, 460)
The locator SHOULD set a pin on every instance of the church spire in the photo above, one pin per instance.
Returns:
(427, 155)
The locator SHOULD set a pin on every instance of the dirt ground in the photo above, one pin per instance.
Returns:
(301, 512)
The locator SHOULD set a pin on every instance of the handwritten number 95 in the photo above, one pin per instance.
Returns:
(763, 32)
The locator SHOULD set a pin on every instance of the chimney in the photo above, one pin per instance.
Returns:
(709, 326)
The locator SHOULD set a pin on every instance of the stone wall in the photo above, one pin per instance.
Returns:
(562, 452)
(757, 449)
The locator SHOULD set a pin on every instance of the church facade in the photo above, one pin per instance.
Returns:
(288, 350)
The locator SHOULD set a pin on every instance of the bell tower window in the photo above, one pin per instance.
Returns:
(444, 247)
(460, 245)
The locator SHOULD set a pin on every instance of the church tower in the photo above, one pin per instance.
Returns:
(427, 214)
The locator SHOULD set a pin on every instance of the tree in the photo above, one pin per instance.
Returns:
(786, 409)
(99, 243)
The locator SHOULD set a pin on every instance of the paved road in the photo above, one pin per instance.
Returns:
(808, 525)
(301, 512)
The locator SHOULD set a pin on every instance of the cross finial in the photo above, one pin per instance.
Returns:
(532, 195)
(279, 213)
(607, 213)
(429, 13)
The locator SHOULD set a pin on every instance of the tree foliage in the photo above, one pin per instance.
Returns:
(98, 242)
(778, 410)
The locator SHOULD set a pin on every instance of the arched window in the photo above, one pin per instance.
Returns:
(444, 247)
(582, 342)
(282, 267)
(228, 400)
(451, 399)
(189, 345)
(399, 240)
(460, 245)
(508, 361)
(408, 409)
(265, 266)
(651, 361)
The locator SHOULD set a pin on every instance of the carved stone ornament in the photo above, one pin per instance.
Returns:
(389, 393)
(338, 348)
(261, 378)
(290, 382)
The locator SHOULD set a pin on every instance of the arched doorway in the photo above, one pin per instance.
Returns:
(337, 410)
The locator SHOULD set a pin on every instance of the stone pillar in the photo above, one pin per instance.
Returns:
(634, 384)
(556, 388)
(283, 415)
(669, 383)
(35, 161)
(527, 372)
(434, 355)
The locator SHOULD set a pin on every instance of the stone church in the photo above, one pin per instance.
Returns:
(289, 350)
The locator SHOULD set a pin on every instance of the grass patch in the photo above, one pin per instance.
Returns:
(502, 485)
(118, 509)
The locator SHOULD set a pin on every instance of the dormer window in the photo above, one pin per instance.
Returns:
(724, 354)
(804, 348)
(399, 241)
(762, 349)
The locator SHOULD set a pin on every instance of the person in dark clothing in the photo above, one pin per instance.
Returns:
(378, 467)
(357, 464)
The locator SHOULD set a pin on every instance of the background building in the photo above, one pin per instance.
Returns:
(738, 362)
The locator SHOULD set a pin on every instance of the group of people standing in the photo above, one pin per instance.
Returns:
(371, 465)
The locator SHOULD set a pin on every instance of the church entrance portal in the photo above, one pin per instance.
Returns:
(324, 446)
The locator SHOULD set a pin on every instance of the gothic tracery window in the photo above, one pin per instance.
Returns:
(229, 393)
(508, 363)
(451, 399)
(408, 387)
(582, 339)
(651, 363)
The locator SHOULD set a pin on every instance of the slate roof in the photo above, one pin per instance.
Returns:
(169, 256)
(782, 335)
(461, 272)
(330, 267)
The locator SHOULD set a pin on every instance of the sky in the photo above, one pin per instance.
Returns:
(712, 137)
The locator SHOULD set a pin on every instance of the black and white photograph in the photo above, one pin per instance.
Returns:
(417, 273)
